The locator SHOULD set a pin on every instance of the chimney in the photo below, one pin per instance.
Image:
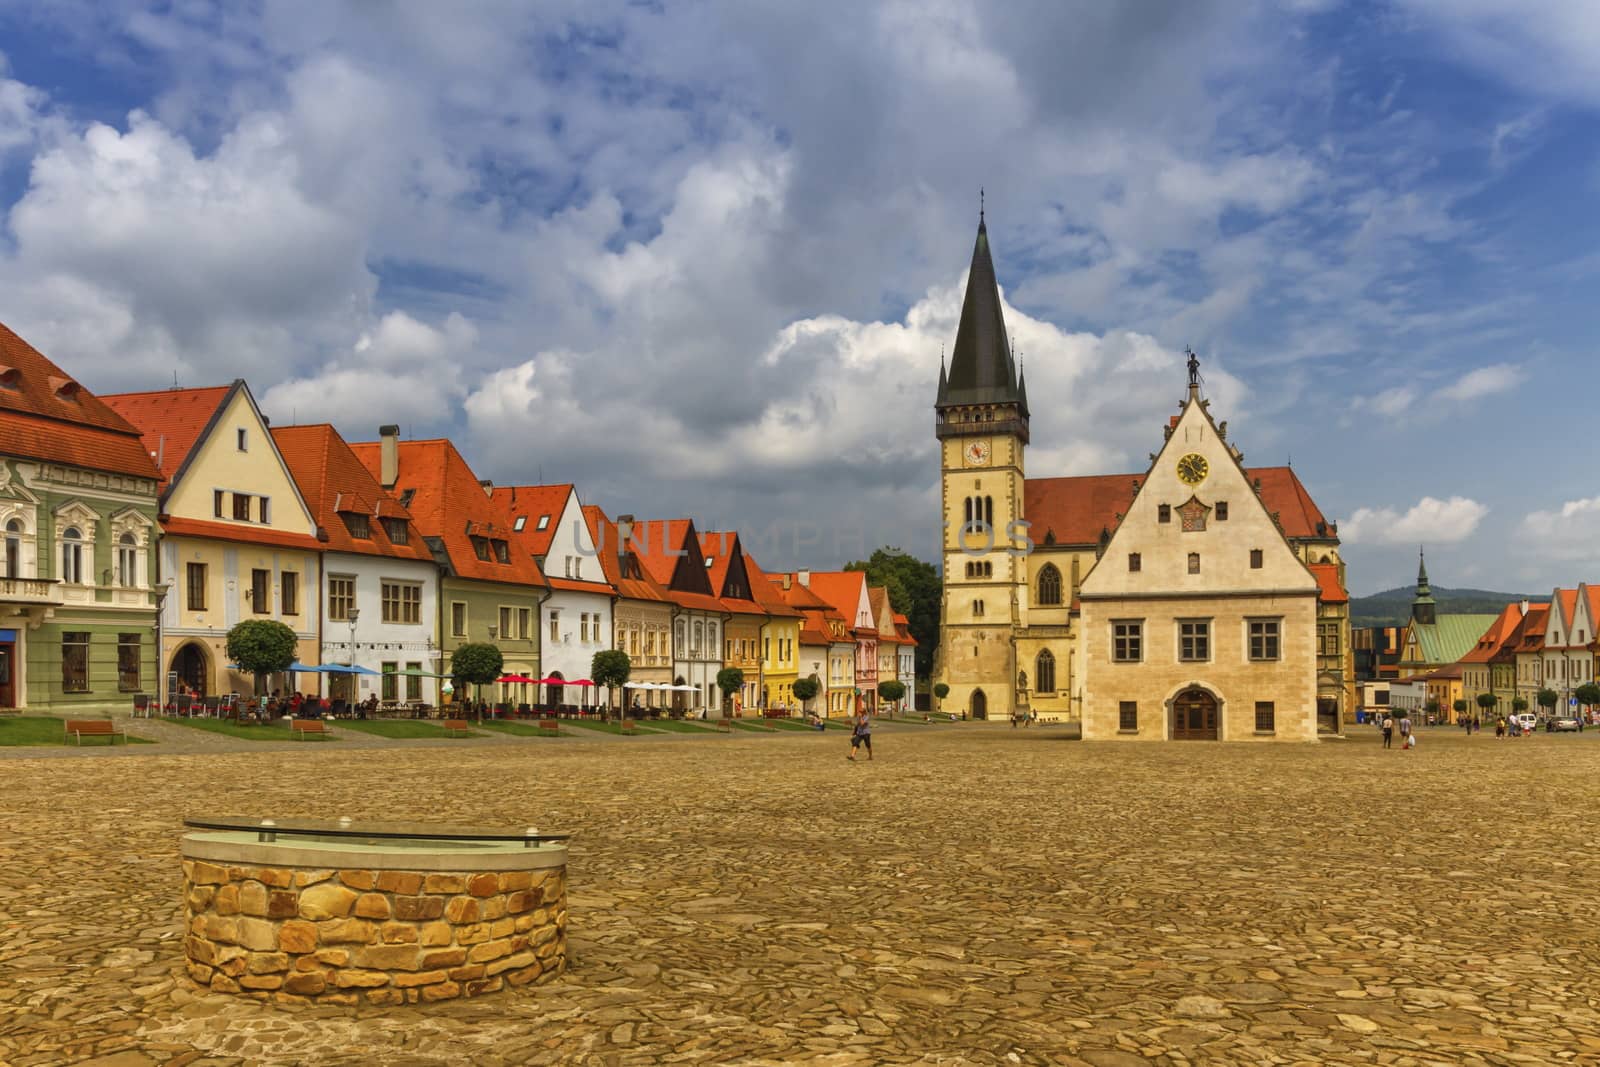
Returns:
(388, 456)
(624, 532)
(804, 578)
(488, 486)
(788, 581)
(1524, 607)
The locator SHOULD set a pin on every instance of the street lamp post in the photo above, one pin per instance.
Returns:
(161, 592)
(350, 691)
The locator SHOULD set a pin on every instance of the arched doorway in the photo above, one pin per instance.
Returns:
(1194, 716)
(980, 705)
(556, 690)
(679, 704)
(192, 666)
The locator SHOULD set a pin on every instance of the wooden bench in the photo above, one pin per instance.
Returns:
(725, 726)
(549, 726)
(457, 727)
(78, 729)
(630, 728)
(303, 728)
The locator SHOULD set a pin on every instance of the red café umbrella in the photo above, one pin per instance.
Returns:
(515, 679)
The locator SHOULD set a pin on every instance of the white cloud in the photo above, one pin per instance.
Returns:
(1485, 381)
(1551, 47)
(1393, 401)
(1429, 521)
(1566, 534)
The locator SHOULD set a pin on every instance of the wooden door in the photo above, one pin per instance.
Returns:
(980, 705)
(8, 685)
(1194, 716)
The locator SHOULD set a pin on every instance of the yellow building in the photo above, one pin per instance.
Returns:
(239, 542)
(780, 641)
(1019, 553)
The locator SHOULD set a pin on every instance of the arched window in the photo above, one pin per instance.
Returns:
(72, 556)
(1044, 672)
(127, 561)
(681, 645)
(969, 508)
(1049, 586)
(988, 511)
(14, 549)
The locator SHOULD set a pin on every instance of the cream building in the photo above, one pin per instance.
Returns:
(1020, 555)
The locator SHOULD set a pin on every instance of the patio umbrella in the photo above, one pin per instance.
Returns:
(338, 668)
(515, 679)
(581, 681)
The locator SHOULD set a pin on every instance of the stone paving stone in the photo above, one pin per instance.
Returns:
(974, 895)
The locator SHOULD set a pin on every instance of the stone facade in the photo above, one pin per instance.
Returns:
(359, 936)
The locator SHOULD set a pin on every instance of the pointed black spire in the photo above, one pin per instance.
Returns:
(1423, 608)
(981, 368)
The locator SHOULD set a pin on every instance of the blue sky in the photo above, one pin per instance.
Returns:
(700, 258)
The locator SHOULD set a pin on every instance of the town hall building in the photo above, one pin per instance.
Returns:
(1201, 599)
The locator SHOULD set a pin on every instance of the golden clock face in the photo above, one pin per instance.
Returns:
(977, 453)
(1193, 468)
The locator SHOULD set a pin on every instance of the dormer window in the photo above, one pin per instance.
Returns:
(65, 389)
(405, 497)
(10, 377)
(395, 531)
(502, 551)
(480, 548)
(356, 522)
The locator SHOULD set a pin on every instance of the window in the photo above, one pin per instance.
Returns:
(1128, 716)
(1049, 586)
(699, 635)
(977, 609)
(711, 634)
(1194, 563)
(13, 549)
(402, 603)
(1164, 513)
(522, 520)
(217, 502)
(264, 510)
(395, 531)
(241, 507)
(413, 682)
(242, 439)
(1194, 640)
(260, 591)
(1127, 641)
(1327, 639)
(75, 662)
(505, 622)
(583, 627)
(525, 624)
(1135, 561)
(357, 524)
(1044, 672)
(1255, 559)
(289, 592)
(544, 521)
(458, 619)
(195, 586)
(341, 597)
(502, 551)
(1263, 639)
(128, 660)
(766, 648)
(127, 561)
(1222, 511)
(391, 681)
(72, 556)
(555, 627)
(1266, 717)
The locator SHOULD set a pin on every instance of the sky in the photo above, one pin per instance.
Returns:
(701, 258)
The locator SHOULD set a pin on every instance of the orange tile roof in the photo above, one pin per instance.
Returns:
(243, 533)
(1075, 510)
(1592, 596)
(603, 532)
(171, 421)
(768, 595)
(450, 505)
(332, 479)
(1502, 630)
(795, 594)
(842, 591)
(1329, 591)
(1567, 599)
(670, 551)
(532, 502)
(878, 598)
(1530, 633)
(579, 585)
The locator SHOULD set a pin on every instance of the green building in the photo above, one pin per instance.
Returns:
(78, 512)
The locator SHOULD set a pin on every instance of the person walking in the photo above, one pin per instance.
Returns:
(1500, 728)
(861, 736)
(1405, 731)
(1388, 731)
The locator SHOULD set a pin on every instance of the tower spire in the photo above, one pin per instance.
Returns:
(1423, 608)
(982, 370)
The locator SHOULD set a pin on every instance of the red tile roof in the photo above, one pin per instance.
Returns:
(670, 549)
(171, 421)
(1075, 510)
(1502, 630)
(1530, 633)
(603, 532)
(1329, 591)
(842, 591)
(46, 415)
(769, 596)
(243, 532)
(449, 504)
(332, 479)
(1567, 599)
(532, 502)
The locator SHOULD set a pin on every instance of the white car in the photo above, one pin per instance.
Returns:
(1526, 722)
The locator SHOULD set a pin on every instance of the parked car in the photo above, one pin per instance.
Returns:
(1565, 724)
(1526, 722)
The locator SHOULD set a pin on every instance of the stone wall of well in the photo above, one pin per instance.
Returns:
(372, 936)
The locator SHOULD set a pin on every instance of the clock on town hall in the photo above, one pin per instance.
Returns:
(977, 453)
(1193, 468)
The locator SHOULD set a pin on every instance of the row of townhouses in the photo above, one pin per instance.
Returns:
(141, 527)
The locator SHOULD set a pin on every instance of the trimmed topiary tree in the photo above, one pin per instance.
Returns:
(1518, 705)
(611, 668)
(1460, 705)
(262, 647)
(730, 680)
(1588, 694)
(1487, 701)
(940, 691)
(806, 689)
(891, 691)
(476, 664)
(1548, 699)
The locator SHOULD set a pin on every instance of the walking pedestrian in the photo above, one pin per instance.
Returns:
(1388, 731)
(1500, 728)
(861, 736)
(1405, 731)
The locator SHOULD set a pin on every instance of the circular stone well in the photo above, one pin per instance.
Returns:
(337, 912)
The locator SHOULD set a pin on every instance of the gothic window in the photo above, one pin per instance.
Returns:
(1049, 586)
(988, 510)
(1045, 672)
(969, 508)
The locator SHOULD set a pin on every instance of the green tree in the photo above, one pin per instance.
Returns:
(1548, 699)
(1487, 701)
(1519, 705)
(475, 664)
(914, 591)
(730, 680)
(610, 667)
(891, 690)
(1588, 694)
(1431, 707)
(940, 691)
(1460, 705)
(807, 689)
(262, 647)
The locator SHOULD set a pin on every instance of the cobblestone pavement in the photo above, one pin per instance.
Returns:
(976, 895)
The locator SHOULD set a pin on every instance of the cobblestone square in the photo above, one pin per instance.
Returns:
(975, 895)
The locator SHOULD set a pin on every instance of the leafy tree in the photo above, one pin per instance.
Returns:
(1431, 707)
(730, 680)
(806, 689)
(1519, 705)
(891, 691)
(476, 664)
(1548, 699)
(940, 691)
(1487, 701)
(610, 667)
(262, 647)
(1460, 705)
(914, 591)
(1588, 694)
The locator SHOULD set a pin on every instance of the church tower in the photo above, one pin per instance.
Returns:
(981, 420)
(1423, 607)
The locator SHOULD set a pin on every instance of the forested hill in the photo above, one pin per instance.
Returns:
(1392, 607)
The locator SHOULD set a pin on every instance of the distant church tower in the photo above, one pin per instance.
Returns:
(1423, 608)
(981, 420)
